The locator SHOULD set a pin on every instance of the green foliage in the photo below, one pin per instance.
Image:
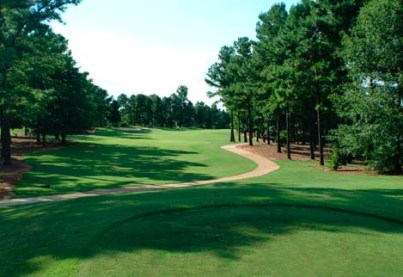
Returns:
(173, 111)
(372, 104)
(335, 160)
(40, 87)
(59, 99)
(114, 113)
(302, 71)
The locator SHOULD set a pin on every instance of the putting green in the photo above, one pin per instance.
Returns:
(246, 241)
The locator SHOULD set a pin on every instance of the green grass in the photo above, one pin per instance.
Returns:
(112, 158)
(297, 221)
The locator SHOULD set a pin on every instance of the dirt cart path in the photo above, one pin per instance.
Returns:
(265, 166)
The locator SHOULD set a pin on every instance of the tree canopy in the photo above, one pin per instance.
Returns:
(323, 72)
(175, 111)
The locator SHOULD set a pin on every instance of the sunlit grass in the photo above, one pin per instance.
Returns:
(113, 158)
(254, 228)
(297, 221)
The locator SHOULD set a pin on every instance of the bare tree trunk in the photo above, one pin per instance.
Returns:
(312, 138)
(250, 125)
(1, 138)
(232, 139)
(239, 127)
(278, 132)
(5, 140)
(320, 137)
(5, 126)
(318, 115)
(397, 163)
(287, 117)
(43, 139)
(268, 131)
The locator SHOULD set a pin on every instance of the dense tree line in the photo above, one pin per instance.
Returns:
(322, 71)
(41, 87)
(175, 111)
(43, 90)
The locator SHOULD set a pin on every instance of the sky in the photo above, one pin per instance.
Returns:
(154, 46)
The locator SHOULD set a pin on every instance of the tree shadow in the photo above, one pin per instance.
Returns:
(117, 133)
(180, 129)
(219, 219)
(134, 130)
(91, 166)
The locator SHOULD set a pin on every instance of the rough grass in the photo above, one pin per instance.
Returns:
(298, 221)
(113, 158)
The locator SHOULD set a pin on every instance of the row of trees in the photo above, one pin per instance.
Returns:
(43, 90)
(322, 70)
(173, 111)
(40, 85)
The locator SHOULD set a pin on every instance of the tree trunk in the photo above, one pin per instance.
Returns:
(312, 138)
(5, 140)
(5, 125)
(268, 132)
(320, 137)
(250, 125)
(239, 128)
(312, 147)
(245, 136)
(232, 139)
(43, 139)
(63, 138)
(287, 117)
(278, 133)
(1, 139)
(397, 165)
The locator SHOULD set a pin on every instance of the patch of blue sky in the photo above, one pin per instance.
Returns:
(153, 46)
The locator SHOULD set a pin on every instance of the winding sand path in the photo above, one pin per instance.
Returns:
(265, 166)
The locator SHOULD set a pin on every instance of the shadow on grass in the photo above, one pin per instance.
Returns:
(118, 133)
(220, 219)
(181, 129)
(91, 166)
(134, 130)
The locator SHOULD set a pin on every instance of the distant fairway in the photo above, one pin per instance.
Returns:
(297, 221)
(118, 158)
